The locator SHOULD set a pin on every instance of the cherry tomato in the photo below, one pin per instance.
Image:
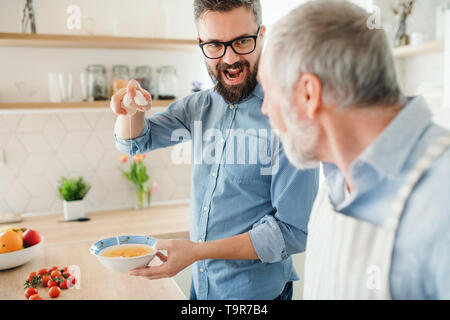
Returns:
(65, 284)
(52, 283)
(45, 280)
(35, 297)
(29, 292)
(32, 275)
(74, 280)
(56, 274)
(66, 269)
(52, 269)
(66, 274)
(42, 272)
(54, 292)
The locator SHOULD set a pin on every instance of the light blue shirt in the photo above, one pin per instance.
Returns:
(421, 259)
(232, 192)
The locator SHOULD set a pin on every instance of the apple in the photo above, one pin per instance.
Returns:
(30, 238)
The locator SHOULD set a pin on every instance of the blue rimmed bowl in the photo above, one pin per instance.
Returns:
(124, 265)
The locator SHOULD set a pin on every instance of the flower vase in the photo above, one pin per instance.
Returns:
(401, 37)
(143, 199)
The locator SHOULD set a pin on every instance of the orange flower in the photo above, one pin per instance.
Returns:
(124, 158)
(139, 158)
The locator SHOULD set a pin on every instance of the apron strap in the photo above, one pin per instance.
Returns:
(425, 163)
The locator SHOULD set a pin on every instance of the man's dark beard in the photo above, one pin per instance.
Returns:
(237, 93)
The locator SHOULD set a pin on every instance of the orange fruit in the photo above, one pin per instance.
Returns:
(10, 241)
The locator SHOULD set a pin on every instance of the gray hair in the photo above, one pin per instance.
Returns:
(331, 39)
(203, 6)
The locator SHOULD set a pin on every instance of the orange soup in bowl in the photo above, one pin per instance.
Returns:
(127, 251)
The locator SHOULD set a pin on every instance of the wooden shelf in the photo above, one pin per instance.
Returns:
(415, 50)
(93, 42)
(70, 105)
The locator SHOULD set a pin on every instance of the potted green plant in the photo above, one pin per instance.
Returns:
(73, 192)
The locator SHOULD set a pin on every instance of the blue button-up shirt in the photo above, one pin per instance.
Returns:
(421, 258)
(241, 182)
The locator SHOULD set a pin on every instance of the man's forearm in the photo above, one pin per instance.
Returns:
(234, 248)
(122, 127)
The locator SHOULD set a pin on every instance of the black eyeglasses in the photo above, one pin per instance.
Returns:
(241, 46)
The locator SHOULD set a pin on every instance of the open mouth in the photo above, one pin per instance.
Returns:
(234, 76)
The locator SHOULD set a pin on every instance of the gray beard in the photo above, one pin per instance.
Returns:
(300, 141)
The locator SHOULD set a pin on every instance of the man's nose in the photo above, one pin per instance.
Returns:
(230, 56)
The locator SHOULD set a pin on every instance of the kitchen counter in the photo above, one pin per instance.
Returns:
(167, 221)
(68, 244)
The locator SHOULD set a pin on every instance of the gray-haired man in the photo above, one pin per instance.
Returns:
(380, 229)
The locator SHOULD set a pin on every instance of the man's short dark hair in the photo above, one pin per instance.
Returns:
(203, 6)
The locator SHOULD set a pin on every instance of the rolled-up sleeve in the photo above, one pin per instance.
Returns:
(268, 240)
(161, 130)
(293, 191)
(135, 146)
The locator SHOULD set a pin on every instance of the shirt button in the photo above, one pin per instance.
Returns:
(200, 241)
(202, 270)
(214, 174)
(205, 209)
(232, 107)
(222, 140)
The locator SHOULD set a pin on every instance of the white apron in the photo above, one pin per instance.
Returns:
(350, 259)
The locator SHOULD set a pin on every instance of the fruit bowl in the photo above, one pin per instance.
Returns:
(17, 258)
(124, 264)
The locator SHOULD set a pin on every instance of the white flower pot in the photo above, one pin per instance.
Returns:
(74, 210)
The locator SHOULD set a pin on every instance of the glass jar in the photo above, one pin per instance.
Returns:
(144, 75)
(96, 75)
(167, 83)
(120, 78)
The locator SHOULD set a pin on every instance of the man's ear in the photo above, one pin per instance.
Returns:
(308, 93)
(262, 36)
(262, 32)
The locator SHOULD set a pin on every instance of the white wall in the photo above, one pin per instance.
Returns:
(42, 147)
(423, 71)
(274, 10)
(447, 59)
(28, 68)
(108, 17)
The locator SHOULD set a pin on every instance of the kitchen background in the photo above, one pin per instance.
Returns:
(39, 146)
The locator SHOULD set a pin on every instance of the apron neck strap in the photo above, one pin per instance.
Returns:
(413, 177)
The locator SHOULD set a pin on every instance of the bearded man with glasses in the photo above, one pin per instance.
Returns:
(248, 215)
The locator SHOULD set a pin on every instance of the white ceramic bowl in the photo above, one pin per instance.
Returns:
(17, 258)
(124, 265)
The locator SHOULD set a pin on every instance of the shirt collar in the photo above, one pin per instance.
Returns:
(390, 151)
(258, 92)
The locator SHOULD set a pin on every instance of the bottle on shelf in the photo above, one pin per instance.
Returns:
(120, 78)
(144, 75)
(167, 83)
(96, 83)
